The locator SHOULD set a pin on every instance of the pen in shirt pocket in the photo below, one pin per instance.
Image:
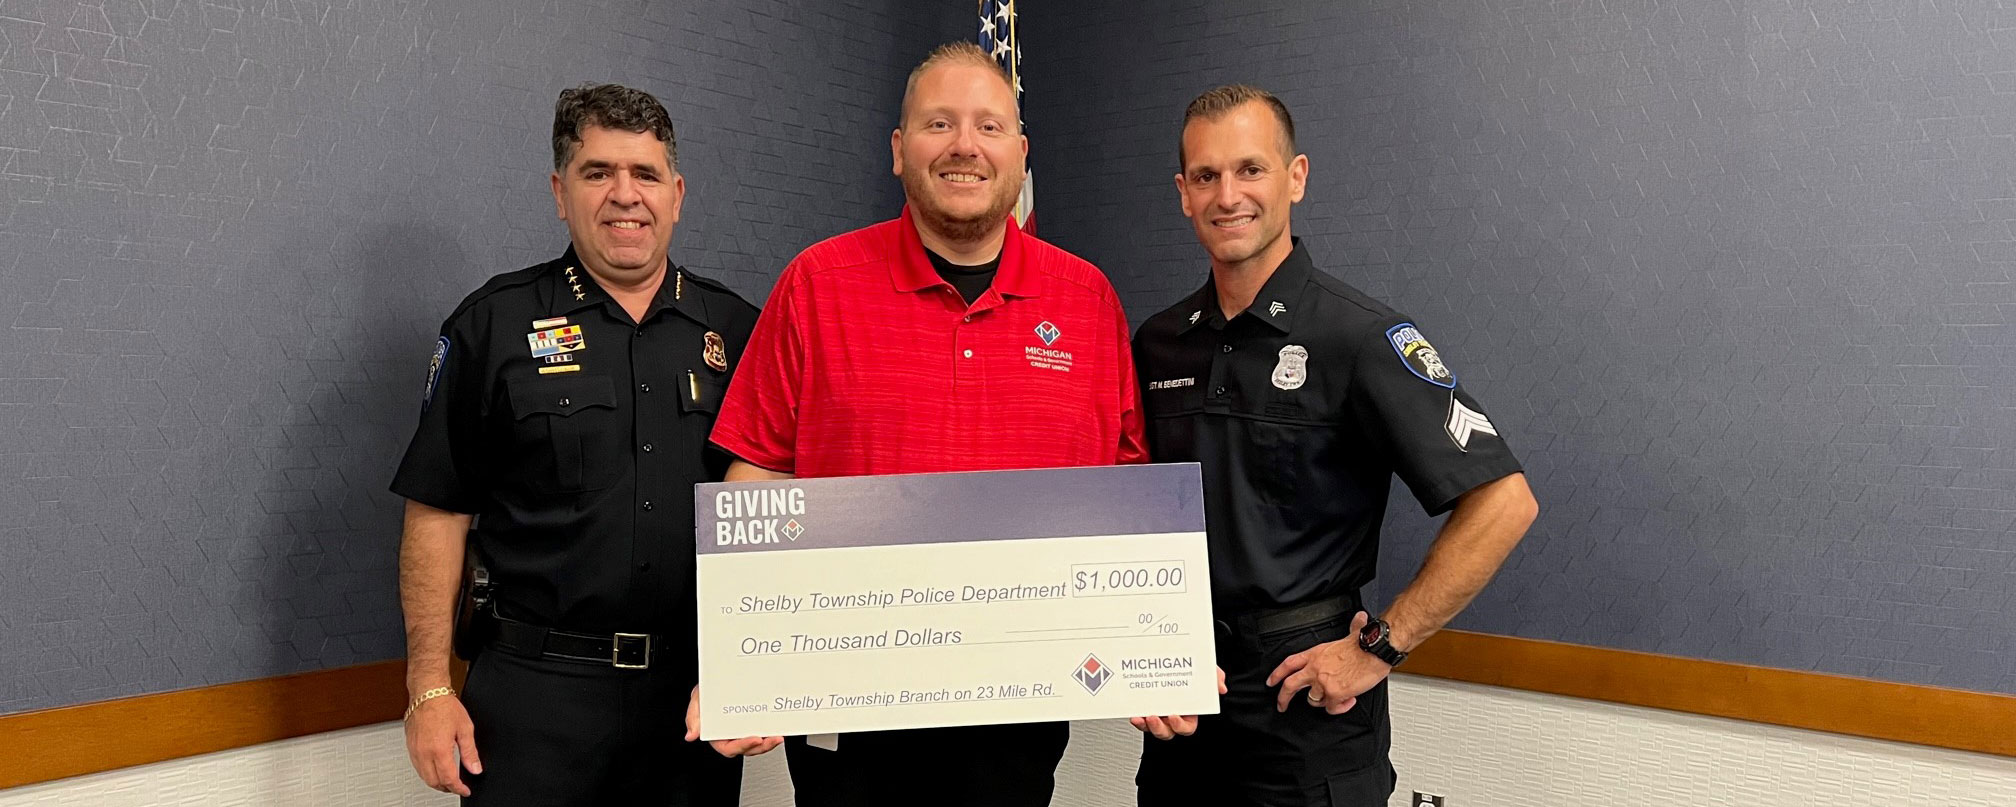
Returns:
(693, 384)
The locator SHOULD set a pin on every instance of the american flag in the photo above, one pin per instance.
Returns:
(997, 37)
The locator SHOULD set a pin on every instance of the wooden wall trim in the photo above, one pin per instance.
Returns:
(87, 738)
(1946, 718)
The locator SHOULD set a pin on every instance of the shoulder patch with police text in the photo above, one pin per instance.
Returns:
(434, 365)
(1420, 357)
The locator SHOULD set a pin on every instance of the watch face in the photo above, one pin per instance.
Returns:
(1371, 634)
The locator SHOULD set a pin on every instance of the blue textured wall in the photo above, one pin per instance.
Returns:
(1737, 280)
(227, 237)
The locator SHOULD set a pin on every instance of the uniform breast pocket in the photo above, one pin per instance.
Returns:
(1173, 410)
(567, 435)
(702, 395)
(1291, 454)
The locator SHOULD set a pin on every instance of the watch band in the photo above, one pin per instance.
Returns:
(1377, 638)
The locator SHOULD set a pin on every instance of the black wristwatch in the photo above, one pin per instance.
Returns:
(1377, 638)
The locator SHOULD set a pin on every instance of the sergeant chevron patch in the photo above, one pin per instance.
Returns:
(1463, 422)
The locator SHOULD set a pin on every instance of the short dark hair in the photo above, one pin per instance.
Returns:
(1215, 103)
(610, 106)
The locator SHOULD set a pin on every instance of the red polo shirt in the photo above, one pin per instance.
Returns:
(866, 362)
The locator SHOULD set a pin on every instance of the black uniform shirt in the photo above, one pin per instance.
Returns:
(576, 435)
(1301, 409)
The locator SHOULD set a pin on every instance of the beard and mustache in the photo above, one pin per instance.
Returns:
(926, 206)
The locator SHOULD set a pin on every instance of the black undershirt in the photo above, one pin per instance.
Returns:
(970, 281)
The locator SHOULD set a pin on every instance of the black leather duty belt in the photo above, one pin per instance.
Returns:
(1277, 620)
(624, 651)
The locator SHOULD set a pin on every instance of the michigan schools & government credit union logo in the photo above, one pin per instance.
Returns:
(1048, 356)
(1092, 674)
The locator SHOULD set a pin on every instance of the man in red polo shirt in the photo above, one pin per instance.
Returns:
(944, 340)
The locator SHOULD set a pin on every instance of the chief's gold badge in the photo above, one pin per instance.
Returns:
(715, 353)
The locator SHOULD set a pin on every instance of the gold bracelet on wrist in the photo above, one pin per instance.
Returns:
(425, 697)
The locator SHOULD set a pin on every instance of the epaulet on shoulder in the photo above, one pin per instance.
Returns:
(507, 280)
(1352, 295)
(712, 285)
(1172, 318)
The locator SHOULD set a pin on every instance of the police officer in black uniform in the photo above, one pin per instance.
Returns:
(1302, 398)
(566, 412)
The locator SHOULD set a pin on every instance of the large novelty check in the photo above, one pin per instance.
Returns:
(885, 602)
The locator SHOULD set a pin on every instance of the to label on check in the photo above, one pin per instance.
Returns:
(887, 602)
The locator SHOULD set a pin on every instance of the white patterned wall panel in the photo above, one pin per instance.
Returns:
(1478, 746)
(1483, 746)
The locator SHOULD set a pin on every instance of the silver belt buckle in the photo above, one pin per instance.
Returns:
(616, 649)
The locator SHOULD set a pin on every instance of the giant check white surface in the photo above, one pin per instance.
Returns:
(870, 603)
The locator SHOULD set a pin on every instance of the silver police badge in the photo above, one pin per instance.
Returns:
(1293, 368)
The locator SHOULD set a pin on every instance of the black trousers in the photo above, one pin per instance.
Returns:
(553, 732)
(983, 766)
(1250, 754)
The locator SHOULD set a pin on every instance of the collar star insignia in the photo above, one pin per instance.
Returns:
(580, 296)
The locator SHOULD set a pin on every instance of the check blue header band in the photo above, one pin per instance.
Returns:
(862, 511)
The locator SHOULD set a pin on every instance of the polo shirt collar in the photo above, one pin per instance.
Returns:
(912, 270)
(577, 289)
(1275, 306)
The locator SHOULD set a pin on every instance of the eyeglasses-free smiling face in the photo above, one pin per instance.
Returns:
(1238, 184)
(620, 199)
(960, 151)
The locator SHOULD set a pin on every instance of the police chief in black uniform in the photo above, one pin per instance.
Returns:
(1302, 398)
(566, 413)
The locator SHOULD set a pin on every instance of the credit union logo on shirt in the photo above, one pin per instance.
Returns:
(1048, 357)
